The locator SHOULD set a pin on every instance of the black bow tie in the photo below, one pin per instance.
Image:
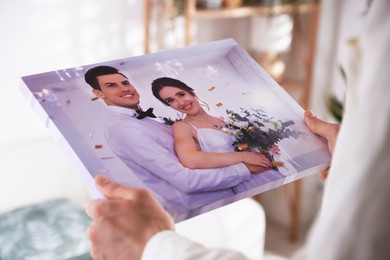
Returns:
(143, 114)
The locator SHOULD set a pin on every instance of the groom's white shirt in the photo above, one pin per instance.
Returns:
(146, 146)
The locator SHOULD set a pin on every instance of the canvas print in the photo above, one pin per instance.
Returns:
(200, 127)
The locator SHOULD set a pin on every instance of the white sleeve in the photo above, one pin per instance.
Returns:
(354, 221)
(170, 245)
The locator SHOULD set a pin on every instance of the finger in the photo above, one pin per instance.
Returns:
(324, 174)
(322, 128)
(315, 124)
(113, 190)
(90, 210)
(98, 240)
(262, 156)
(98, 208)
(264, 162)
(264, 165)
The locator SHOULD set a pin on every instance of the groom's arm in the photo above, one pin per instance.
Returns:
(135, 145)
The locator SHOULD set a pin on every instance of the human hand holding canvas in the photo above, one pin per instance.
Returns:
(123, 224)
(327, 130)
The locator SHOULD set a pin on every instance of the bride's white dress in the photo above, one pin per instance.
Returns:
(287, 168)
(212, 140)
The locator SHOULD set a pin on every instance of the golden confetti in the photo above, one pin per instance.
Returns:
(242, 147)
(211, 89)
(219, 104)
(94, 98)
(277, 164)
(98, 146)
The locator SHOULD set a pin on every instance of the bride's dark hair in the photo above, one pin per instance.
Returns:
(160, 83)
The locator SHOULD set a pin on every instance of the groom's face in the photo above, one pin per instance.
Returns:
(116, 90)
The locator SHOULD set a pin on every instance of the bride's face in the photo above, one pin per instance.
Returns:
(180, 100)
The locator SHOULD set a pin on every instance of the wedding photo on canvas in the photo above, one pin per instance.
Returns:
(200, 127)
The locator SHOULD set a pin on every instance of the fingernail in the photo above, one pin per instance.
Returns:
(311, 113)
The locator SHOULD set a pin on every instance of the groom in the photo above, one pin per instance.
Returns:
(146, 146)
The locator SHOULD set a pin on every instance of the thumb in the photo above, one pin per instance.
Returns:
(315, 124)
(322, 128)
(113, 190)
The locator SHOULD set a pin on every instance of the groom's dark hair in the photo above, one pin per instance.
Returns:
(91, 75)
(160, 83)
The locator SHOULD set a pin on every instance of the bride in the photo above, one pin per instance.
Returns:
(200, 141)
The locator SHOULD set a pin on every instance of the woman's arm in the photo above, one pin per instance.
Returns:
(190, 155)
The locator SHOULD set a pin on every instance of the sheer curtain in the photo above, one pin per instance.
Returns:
(340, 21)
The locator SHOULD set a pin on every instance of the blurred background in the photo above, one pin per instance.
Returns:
(300, 43)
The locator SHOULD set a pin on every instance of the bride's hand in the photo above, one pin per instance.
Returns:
(255, 159)
(275, 149)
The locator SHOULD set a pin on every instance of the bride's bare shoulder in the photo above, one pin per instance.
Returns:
(183, 126)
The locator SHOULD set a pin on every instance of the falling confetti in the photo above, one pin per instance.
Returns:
(211, 89)
(242, 147)
(67, 73)
(245, 93)
(211, 72)
(98, 146)
(277, 164)
(94, 98)
(170, 68)
(219, 104)
(59, 76)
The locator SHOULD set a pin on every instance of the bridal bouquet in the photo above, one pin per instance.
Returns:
(255, 130)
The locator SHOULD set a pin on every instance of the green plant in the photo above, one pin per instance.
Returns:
(179, 4)
(335, 107)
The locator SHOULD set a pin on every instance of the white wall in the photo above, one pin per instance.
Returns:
(44, 35)
(334, 31)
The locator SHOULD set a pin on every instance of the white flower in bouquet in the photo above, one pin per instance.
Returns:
(270, 125)
(242, 124)
(264, 129)
(278, 125)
